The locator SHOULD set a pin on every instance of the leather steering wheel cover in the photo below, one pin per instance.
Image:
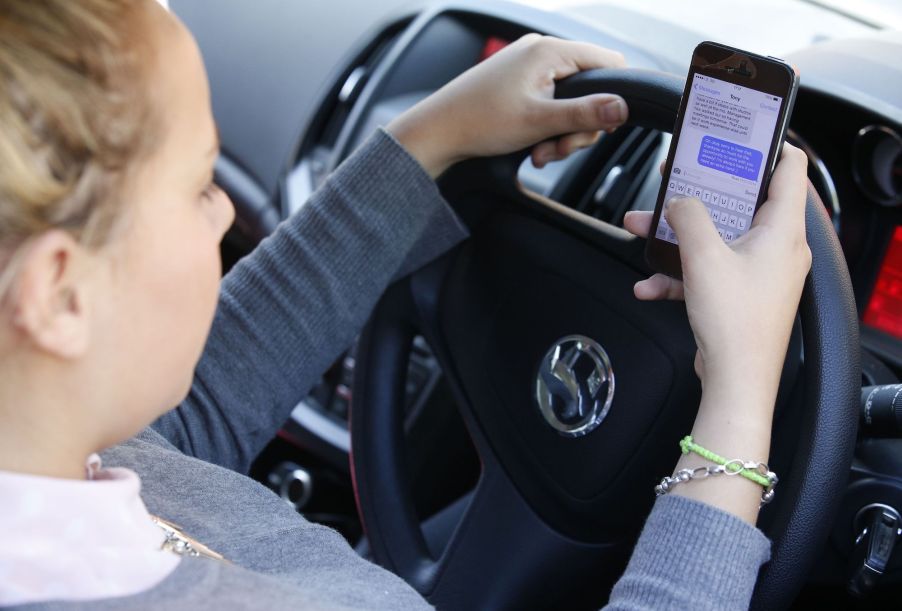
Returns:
(823, 458)
(814, 484)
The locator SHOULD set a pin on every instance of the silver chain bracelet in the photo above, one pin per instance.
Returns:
(733, 467)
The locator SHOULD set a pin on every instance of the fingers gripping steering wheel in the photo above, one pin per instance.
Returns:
(553, 517)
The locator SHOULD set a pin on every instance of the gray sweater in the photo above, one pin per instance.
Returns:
(285, 313)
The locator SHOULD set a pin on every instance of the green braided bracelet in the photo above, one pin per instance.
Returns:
(733, 467)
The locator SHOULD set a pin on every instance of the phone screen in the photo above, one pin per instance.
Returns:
(721, 155)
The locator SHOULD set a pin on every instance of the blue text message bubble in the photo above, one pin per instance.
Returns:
(729, 157)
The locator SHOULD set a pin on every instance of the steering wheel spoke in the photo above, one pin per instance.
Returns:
(501, 540)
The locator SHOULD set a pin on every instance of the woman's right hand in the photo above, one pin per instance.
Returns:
(741, 298)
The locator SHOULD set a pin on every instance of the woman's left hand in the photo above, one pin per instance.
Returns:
(506, 103)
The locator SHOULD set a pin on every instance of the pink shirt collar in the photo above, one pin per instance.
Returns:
(78, 540)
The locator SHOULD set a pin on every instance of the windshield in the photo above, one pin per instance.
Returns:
(768, 27)
(873, 13)
(880, 13)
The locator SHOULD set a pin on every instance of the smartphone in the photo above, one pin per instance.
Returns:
(727, 139)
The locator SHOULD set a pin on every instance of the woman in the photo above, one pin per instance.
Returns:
(112, 312)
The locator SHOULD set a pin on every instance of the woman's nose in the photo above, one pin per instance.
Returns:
(223, 213)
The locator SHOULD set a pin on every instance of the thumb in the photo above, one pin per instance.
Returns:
(694, 228)
(585, 114)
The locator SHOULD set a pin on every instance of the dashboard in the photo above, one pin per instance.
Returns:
(847, 118)
(856, 164)
(303, 121)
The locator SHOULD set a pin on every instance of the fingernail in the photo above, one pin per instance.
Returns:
(614, 111)
(672, 201)
(670, 204)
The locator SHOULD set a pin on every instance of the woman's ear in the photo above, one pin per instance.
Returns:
(49, 298)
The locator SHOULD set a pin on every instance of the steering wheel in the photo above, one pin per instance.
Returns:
(537, 307)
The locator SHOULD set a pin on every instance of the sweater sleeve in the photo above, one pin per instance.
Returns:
(289, 309)
(691, 555)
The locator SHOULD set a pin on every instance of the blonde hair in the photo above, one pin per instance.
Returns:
(75, 112)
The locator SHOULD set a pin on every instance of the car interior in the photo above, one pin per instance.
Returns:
(424, 444)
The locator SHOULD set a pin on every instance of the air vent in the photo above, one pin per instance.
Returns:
(349, 89)
(315, 153)
(625, 159)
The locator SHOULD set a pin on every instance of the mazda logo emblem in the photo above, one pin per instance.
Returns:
(575, 385)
